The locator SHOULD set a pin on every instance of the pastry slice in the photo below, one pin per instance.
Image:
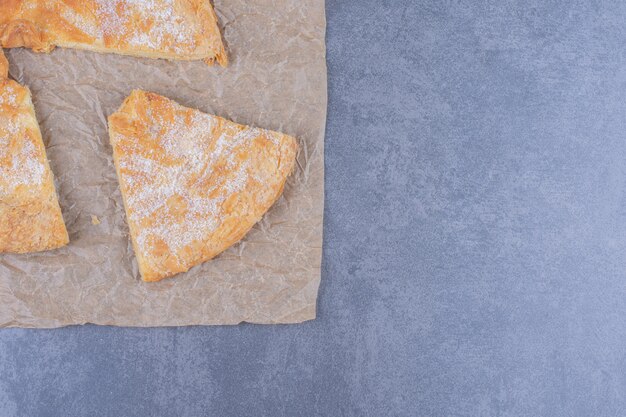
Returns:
(169, 29)
(30, 216)
(193, 184)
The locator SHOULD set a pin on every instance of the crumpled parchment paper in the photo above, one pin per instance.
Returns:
(276, 80)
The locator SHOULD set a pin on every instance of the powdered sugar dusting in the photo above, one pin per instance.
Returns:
(21, 161)
(88, 27)
(166, 28)
(8, 96)
(184, 182)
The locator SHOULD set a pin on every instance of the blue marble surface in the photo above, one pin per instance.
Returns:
(475, 239)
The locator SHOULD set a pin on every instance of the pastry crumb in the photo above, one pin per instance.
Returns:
(95, 220)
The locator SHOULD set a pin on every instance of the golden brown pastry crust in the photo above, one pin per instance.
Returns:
(193, 184)
(4, 65)
(30, 216)
(169, 29)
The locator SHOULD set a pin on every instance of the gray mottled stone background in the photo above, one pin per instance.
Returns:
(475, 239)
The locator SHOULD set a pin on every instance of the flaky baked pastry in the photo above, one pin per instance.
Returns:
(4, 65)
(193, 184)
(30, 216)
(169, 29)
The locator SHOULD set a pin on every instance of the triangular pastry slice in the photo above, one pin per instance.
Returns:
(30, 216)
(193, 184)
(169, 29)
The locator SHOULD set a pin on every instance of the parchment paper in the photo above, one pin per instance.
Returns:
(276, 80)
